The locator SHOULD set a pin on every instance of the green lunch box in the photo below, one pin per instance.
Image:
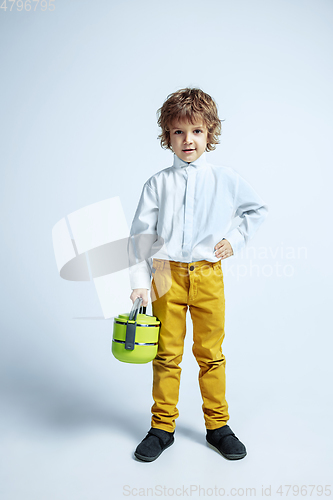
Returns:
(135, 336)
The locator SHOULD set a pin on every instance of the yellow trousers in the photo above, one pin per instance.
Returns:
(175, 287)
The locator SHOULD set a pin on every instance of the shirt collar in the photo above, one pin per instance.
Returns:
(199, 163)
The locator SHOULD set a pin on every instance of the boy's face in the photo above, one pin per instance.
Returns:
(188, 140)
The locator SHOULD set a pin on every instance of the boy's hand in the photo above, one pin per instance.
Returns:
(223, 249)
(140, 292)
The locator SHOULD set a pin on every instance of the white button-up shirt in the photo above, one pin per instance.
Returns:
(190, 208)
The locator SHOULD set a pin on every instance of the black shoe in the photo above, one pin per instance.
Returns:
(153, 444)
(225, 441)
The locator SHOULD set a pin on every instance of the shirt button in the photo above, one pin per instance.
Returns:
(192, 268)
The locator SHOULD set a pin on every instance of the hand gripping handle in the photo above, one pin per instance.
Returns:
(131, 327)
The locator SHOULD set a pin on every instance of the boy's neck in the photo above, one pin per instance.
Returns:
(198, 163)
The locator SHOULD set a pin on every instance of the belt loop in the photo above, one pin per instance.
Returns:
(158, 264)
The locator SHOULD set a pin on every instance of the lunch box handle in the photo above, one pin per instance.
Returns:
(131, 327)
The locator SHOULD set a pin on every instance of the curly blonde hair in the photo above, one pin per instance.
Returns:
(189, 104)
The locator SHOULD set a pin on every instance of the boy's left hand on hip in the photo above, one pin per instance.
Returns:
(223, 249)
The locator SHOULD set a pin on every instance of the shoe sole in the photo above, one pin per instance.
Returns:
(228, 456)
(143, 458)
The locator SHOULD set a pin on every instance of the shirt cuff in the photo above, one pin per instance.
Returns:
(140, 276)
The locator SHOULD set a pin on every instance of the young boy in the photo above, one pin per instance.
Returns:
(189, 207)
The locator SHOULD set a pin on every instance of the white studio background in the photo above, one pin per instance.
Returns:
(79, 91)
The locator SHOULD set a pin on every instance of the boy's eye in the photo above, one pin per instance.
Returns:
(199, 131)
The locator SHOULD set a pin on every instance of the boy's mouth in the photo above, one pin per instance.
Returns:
(188, 150)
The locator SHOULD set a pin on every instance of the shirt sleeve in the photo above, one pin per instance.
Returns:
(250, 207)
(143, 234)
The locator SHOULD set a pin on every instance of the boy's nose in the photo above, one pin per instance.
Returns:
(188, 138)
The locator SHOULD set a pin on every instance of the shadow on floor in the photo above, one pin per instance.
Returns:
(55, 406)
(192, 434)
